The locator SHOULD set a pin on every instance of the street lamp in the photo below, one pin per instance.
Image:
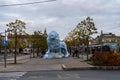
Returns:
(5, 43)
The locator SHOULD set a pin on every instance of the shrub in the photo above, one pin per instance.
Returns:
(106, 59)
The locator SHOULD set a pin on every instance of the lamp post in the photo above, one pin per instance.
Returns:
(5, 43)
(5, 54)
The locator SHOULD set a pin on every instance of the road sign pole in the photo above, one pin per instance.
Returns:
(5, 44)
(5, 61)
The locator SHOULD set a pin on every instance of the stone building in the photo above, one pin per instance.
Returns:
(106, 38)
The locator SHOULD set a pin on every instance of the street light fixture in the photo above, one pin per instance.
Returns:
(5, 43)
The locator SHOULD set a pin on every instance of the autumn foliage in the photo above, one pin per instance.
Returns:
(106, 59)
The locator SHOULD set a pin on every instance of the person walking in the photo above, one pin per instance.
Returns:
(76, 53)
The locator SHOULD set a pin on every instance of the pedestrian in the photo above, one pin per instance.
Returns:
(43, 52)
(76, 52)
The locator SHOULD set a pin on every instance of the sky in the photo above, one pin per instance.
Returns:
(62, 16)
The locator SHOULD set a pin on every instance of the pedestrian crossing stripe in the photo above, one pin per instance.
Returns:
(12, 74)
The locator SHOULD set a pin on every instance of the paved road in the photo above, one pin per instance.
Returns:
(62, 75)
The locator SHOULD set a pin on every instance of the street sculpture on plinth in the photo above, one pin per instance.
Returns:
(56, 48)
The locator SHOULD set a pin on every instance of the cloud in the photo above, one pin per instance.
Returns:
(62, 15)
(93, 6)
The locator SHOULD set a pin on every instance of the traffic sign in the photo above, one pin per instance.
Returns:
(5, 43)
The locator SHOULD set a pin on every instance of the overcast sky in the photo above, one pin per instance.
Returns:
(62, 15)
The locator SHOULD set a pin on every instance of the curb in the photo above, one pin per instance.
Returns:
(91, 68)
(107, 67)
(76, 68)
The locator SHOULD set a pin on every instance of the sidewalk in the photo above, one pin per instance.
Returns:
(76, 64)
(10, 62)
(25, 63)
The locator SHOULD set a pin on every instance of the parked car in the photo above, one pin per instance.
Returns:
(26, 51)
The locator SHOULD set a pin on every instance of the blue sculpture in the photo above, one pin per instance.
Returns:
(56, 48)
(63, 48)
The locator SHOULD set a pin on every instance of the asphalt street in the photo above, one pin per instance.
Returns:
(62, 75)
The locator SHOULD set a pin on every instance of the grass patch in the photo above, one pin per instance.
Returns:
(91, 63)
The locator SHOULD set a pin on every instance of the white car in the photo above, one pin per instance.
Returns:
(27, 51)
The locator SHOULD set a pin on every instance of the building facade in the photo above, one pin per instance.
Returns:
(107, 38)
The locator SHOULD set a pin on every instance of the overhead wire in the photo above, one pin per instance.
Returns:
(5, 5)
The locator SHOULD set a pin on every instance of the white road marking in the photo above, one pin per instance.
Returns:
(12, 74)
(63, 76)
